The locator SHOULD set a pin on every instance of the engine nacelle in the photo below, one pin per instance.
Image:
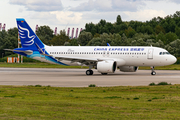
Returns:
(128, 68)
(106, 66)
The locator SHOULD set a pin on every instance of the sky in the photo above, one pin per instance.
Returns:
(65, 14)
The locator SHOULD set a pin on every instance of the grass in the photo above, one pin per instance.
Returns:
(169, 67)
(36, 65)
(47, 65)
(160, 83)
(127, 102)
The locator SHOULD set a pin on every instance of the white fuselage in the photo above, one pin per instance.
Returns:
(123, 55)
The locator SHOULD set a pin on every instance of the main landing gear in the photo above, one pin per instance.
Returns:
(89, 72)
(153, 72)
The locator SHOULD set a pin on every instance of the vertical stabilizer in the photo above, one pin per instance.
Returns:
(27, 35)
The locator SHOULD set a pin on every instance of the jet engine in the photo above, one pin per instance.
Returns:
(106, 66)
(128, 68)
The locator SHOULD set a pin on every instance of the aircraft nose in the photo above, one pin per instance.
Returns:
(173, 59)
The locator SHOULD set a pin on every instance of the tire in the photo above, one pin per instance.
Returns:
(89, 72)
(153, 73)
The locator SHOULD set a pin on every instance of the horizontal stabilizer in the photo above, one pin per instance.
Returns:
(29, 52)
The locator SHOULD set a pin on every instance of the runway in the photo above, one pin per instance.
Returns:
(77, 77)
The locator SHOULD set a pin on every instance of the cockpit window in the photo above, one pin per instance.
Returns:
(164, 53)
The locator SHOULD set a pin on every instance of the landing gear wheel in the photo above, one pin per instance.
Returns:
(89, 72)
(103, 73)
(153, 73)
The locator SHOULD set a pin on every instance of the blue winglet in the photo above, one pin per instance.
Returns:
(108, 44)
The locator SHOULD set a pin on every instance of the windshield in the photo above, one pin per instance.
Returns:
(164, 53)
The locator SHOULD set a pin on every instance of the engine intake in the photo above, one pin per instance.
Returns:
(128, 68)
(106, 66)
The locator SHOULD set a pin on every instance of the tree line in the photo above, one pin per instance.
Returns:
(160, 32)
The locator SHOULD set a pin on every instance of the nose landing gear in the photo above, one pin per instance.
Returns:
(153, 72)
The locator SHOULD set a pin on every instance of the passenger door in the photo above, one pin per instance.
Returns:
(150, 53)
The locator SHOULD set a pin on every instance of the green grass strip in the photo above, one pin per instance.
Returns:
(47, 65)
(36, 65)
(110, 103)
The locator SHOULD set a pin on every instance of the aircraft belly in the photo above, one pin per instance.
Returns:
(42, 59)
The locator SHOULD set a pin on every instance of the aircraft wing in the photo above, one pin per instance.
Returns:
(82, 60)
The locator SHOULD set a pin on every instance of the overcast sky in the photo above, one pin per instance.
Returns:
(76, 13)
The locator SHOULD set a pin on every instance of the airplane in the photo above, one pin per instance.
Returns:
(106, 59)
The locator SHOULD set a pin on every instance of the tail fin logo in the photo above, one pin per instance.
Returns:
(25, 34)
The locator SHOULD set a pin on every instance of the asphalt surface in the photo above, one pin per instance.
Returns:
(78, 78)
